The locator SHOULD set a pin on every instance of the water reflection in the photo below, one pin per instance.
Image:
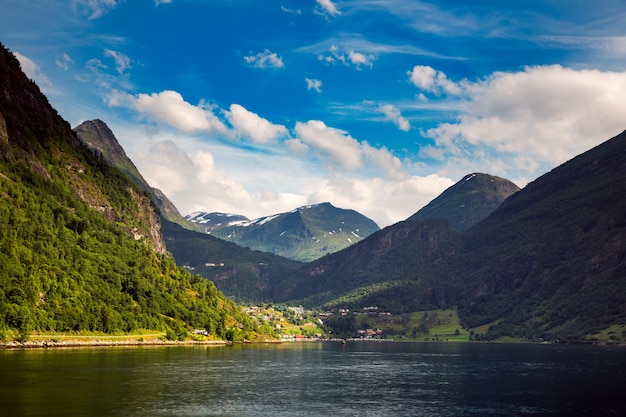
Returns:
(315, 379)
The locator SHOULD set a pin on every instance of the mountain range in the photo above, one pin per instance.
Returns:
(304, 234)
(87, 246)
(511, 261)
(548, 263)
(239, 272)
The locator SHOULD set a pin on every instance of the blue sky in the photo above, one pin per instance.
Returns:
(258, 107)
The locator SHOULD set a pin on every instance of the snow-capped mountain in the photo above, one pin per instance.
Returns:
(303, 234)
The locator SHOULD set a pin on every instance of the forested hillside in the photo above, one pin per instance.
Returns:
(548, 264)
(81, 246)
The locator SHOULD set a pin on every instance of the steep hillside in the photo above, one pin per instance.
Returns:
(395, 269)
(237, 271)
(99, 137)
(242, 273)
(548, 263)
(304, 234)
(551, 261)
(81, 248)
(468, 201)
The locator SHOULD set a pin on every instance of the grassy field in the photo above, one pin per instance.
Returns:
(433, 325)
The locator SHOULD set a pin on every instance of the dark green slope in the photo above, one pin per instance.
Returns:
(80, 244)
(468, 201)
(98, 136)
(245, 274)
(238, 272)
(395, 269)
(550, 262)
(304, 234)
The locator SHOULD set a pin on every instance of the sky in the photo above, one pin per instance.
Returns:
(259, 107)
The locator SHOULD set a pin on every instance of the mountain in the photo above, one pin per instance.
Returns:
(304, 234)
(99, 137)
(551, 260)
(395, 269)
(241, 273)
(549, 263)
(468, 201)
(81, 245)
(237, 271)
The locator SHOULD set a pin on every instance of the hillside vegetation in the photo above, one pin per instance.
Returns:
(548, 264)
(81, 246)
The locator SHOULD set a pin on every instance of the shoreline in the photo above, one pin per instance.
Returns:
(74, 343)
(156, 342)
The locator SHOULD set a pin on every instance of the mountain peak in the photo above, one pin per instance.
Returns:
(305, 233)
(468, 201)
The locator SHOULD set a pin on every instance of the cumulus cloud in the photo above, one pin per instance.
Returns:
(328, 7)
(265, 59)
(338, 149)
(250, 125)
(393, 114)
(540, 116)
(402, 198)
(347, 57)
(93, 9)
(312, 84)
(169, 107)
(334, 145)
(430, 80)
(201, 176)
(122, 62)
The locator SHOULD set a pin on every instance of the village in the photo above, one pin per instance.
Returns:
(295, 323)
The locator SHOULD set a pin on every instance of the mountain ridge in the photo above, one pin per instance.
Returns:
(97, 135)
(468, 201)
(303, 234)
(548, 264)
(81, 246)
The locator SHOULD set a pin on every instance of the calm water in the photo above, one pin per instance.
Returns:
(316, 379)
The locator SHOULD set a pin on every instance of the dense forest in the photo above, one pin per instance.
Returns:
(81, 247)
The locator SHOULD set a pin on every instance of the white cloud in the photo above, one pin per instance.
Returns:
(159, 2)
(329, 7)
(538, 117)
(93, 8)
(430, 80)
(251, 125)
(333, 145)
(348, 57)
(169, 107)
(265, 59)
(401, 198)
(393, 113)
(312, 84)
(340, 150)
(63, 61)
(291, 11)
(122, 62)
(357, 58)
(34, 72)
(208, 176)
